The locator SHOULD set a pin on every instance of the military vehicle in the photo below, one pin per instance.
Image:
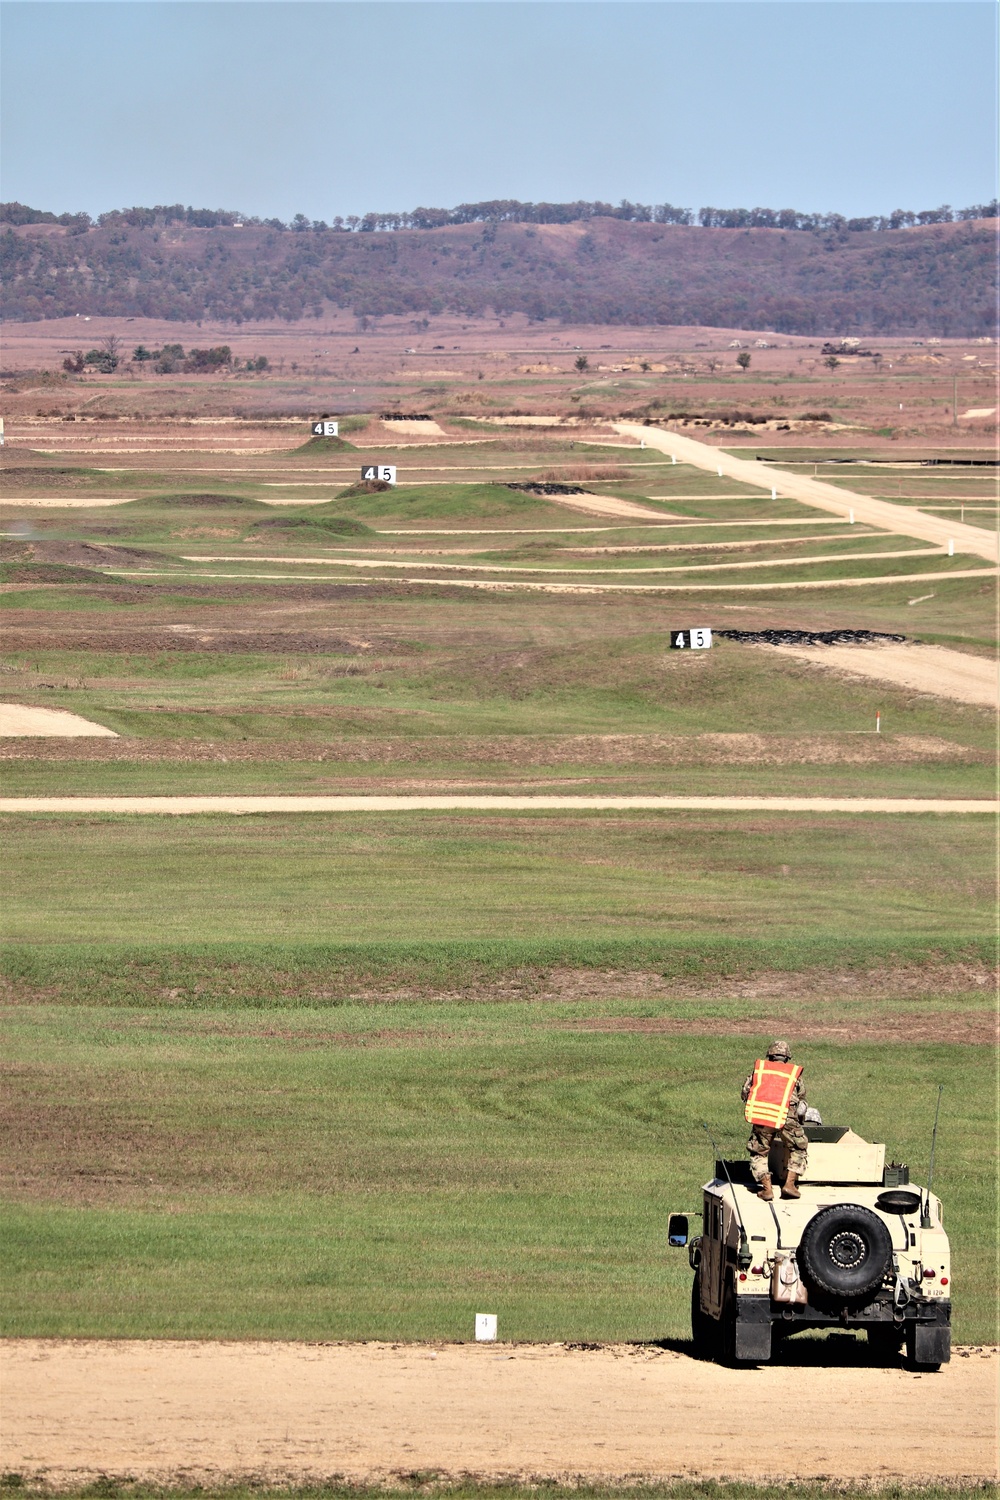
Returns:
(860, 1248)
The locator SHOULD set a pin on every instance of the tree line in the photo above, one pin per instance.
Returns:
(500, 211)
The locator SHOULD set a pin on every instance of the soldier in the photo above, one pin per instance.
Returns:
(776, 1105)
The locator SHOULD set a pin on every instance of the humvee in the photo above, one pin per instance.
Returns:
(860, 1248)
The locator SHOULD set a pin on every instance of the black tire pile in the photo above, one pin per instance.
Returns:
(541, 487)
(807, 637)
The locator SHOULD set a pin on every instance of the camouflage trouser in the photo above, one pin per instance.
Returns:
(791, 1136)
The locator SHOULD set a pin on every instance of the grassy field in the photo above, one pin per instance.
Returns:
(346, 1077)
(381, 1174)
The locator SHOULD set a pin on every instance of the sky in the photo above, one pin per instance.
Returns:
(326, 107)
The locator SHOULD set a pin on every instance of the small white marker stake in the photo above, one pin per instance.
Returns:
(486, 1327)
(673, 458)
(951, 547)
(851, 513)
(774, 492)
(878, 721)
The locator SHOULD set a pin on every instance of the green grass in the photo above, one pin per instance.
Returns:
(546, 680)
(484, 876)
(240, 1175)
(281, 972)
(321, 768)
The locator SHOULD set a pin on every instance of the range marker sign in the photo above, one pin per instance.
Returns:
(378, 473)
(690, 640)
(325, 428)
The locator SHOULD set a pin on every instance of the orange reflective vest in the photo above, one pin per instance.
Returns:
(770, 1092)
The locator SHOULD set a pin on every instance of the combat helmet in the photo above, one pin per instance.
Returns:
(779, 1051)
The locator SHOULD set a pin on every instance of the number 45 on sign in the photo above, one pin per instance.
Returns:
(691, 640)
(386, 473)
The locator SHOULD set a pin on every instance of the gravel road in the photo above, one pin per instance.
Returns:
(486, 803)
(902, 520)
(212, 1412)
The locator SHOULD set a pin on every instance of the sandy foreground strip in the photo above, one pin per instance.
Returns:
(16, 719)
(902, 520)
(301, 1412)
(492, 803)
(928, 669)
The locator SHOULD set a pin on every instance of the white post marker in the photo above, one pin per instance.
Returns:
(486, 1328)
(720, 470)
(851, 514)
(774, 492)
(878, 721)
(951, 546)
(673, 458)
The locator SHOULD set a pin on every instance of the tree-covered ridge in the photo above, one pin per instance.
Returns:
(932, 279)
(502, 211)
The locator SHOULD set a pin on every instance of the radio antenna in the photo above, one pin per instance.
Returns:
(925, 1218)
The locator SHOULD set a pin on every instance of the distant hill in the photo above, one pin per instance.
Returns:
(822, 277)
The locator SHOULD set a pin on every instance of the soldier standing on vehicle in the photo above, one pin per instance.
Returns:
(776, 1105)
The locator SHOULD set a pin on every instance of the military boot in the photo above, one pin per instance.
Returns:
(789, 1188)
(766, 1190)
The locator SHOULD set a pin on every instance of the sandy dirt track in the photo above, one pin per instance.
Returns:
(608, 505)
(367, 1411)
(486, 803)
(16, 719)
(904, 521)
(928, 669)
(693, 586)
(386, 561)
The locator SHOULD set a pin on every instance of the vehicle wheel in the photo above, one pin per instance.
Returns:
(845, 1250)
(727, 1331)
(885, 1340)
(703, 1329)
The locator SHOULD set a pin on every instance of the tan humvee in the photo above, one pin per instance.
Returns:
(860, 1248)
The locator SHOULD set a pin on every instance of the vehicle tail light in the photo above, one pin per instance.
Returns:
(743, 1276)
(757, 1270)
(944, 1281)
(929, 1275)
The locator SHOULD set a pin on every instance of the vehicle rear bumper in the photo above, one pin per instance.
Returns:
(751, 1309)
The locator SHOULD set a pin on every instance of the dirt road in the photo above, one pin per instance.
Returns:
(300, 1412)
(693, 586)
(16, 719)
(901, 520)
(487, 803)
(928, 669)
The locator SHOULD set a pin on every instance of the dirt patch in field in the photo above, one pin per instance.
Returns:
(639, 750)
(202, 1413)
(89, 554)
(21, 720)
(925, 669)
(978, 1029)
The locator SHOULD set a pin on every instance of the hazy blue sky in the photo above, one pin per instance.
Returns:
(327, 108)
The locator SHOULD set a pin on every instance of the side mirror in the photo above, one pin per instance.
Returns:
(678, 1230)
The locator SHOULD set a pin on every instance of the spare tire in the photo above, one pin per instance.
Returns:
(845, 1250)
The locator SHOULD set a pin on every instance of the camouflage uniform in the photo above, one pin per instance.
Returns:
(791, 1135)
